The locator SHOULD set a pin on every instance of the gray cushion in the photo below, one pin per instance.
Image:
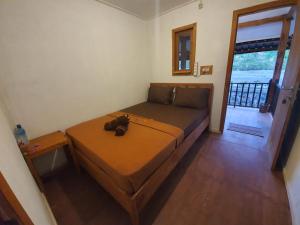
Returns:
(162, 95)
(191, 97)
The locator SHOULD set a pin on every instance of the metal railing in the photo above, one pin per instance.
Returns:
(250, 95)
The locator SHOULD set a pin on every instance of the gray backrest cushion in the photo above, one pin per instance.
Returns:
(191, 97)
(162, 95)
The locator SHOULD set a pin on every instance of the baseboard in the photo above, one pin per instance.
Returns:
(289, 198)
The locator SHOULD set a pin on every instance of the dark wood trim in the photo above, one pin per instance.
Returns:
(291, 13)
(280, 58)
(234, 28)
(284, 37)
(134, 203)
(265, 6)
(176, 72)
(13, 202)
(262, 21)
(260, 45)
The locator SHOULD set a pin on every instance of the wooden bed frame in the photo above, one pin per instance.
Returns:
(134, 203)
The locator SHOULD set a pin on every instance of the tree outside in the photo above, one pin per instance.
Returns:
(256, 67)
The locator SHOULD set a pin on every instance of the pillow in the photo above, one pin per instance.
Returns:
(191, 97)
(162, 95)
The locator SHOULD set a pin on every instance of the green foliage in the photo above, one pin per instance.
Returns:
(257, 61)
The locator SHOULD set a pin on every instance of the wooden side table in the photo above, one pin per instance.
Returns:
(43, 145)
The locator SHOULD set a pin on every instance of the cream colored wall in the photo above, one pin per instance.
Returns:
(94, 59)
(292, 179)
(62, 62)
(15, 171)
(213, 34)
(66, 61)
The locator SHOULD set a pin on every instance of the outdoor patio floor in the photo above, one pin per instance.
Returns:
(249, 117)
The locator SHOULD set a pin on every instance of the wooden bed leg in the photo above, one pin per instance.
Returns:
(134, 215)
(73, 155)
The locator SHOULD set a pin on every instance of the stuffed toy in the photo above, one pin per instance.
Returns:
(119, 125)
(121, 130)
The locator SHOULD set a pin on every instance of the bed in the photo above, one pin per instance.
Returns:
(132, 167)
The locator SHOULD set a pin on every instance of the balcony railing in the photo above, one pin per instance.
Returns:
(250, 95)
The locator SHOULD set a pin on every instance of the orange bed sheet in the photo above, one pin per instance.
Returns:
(131, 159)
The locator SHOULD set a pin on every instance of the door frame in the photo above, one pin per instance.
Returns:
(234, 29)
(13, 202)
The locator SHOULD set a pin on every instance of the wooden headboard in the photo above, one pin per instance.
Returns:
(209, 86)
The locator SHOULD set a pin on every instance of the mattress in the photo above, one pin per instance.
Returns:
(129, 160)
(185, 118)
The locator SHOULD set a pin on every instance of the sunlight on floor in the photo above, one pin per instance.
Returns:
(248, 117)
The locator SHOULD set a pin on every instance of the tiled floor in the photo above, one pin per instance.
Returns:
(219, 182)
(249, 117)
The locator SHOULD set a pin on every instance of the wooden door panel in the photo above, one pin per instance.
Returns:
(11, 211)
(279, 125)
(286, 96)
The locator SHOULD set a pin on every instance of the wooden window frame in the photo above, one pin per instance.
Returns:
(175, 60)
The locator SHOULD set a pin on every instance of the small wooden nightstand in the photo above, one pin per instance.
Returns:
(43, 145)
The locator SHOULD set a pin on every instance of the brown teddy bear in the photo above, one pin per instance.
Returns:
(119, 125)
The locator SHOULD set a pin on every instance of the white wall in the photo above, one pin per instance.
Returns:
(62, 62)
(66, 61)
(292, 179)
(213, 35)
(15, 171)
(94, 59)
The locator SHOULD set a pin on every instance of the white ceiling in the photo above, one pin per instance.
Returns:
(270, 30)
(265, 14)
(146, 9)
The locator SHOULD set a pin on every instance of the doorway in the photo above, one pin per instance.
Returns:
(11, 211)
(256, 67)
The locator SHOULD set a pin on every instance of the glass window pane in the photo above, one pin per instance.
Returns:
(184, 50)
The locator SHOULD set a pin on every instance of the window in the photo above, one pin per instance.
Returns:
(184, 47)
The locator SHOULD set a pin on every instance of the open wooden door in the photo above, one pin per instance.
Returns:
(11, 211)
(287, 95)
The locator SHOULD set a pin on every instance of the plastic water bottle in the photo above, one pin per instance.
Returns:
(21, 136)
